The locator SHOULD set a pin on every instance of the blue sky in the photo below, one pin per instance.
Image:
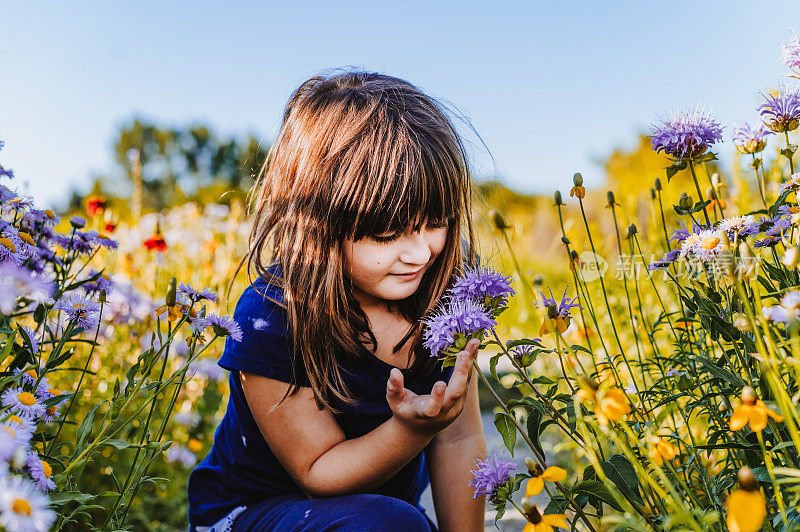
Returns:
(550, 87)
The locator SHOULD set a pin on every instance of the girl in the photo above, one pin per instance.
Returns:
(338, 418)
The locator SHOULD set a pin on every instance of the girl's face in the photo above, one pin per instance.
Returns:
(390, 266)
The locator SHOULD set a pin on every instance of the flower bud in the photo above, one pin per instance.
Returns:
(577, 179)
(532, 466)
(172, 292)
(611, 199)
(552, 311)
(791, 258)
(498, 220)
(741, 322)
(103, 295)
(710, 194)
(686, 201)
(722, 407)
(652, 194)
(573, 255)
(565, 240)
(632, 230)
(557, 198)
(749, 395)
(657, 184)
(77, 222)
(747, 480)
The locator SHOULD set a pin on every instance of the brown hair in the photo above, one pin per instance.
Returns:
(358, 154)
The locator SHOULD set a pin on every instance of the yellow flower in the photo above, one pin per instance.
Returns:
(542, 523)
(536, 483)
(752, 412)
(612, 406)
(195, 445)
(578, 191)
(747, 507)
(660, 450)
(561, 324)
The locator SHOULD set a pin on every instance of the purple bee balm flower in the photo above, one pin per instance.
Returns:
(491, 473)
(225, 326)
(781, 112)
(196, 295)
(564, 306)
(77, 222)
(480, 282)
(454, 317)
(750, 139)
(790, 52)
(686, 134)
(40, 471)
(80, 309)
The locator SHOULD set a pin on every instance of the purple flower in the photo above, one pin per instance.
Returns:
(17, 283)
(225, 326)
(686, 134)
(6, 172)
(481, 282)
(80, 309)
(181, 455)
(464, 317)
(665, 261)
(40, 472)
(781, 112)
(563, 307)
(103, 282)
(491, 473)
(22, 403)
(196, 295)
(790, 52)
(750, 139)
(207, 369)
(768, 242)
(77, 222)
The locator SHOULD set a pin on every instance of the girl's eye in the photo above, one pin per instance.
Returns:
(386, 239)
(438, 224)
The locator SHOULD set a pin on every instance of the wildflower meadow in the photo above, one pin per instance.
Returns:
(661, 394)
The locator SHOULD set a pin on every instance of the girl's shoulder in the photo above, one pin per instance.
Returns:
(264, 345)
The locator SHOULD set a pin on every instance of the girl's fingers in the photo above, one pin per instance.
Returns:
(461, 373)
(433, 405)
(394, 386)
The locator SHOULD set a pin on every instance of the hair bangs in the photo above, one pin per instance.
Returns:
(416, 182)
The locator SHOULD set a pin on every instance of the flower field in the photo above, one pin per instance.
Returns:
(658, 345)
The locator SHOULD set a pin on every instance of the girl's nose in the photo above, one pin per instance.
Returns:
(416, 251)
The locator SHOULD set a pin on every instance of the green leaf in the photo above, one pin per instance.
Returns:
(534, 426)
(622, 473)
(598, 490)
(85, 429)
(62, 498)
(505, 426)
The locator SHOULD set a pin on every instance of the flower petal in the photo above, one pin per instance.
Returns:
(553, 474)
(739, 417)
(534, 487)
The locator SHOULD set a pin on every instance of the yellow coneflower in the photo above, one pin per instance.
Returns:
(542, 523)
(660, 449)
(752, 412)
(578, 192)
(535, 484)
(611, 406)
(747, 506)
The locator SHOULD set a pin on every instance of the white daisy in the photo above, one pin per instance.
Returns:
(41, 472)
(736, 224)
(704, 245)
(23, 508)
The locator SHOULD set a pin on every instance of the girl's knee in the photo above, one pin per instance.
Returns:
(382, 512)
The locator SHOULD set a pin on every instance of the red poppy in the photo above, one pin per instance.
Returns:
(95, 205)
(109, 227)
(156, 242)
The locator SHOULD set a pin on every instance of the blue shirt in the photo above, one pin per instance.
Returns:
(241, 469)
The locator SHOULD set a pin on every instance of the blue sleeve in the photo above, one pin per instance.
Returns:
(264, 349)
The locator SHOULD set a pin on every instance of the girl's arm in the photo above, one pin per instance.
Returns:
(312, 447)
(450, 457)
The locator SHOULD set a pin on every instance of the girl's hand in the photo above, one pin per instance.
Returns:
(428, 414)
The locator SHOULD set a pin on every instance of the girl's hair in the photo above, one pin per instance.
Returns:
(358, 154)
